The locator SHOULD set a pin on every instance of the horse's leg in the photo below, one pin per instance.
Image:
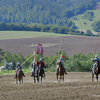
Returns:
(34, 78)
(92, 76)
(57, 77)
(22, 79)
(37, 76)
(63, 77)
(41, 79)
(97, 77)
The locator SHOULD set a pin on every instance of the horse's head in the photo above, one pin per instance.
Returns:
(40, 66)
(60, 62)
(10, 64)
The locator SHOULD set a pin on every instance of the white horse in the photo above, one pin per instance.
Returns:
(3, 67)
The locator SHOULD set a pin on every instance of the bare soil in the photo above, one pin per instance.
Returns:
(70, 44)
(77, 86)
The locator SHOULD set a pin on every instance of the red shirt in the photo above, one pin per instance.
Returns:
(38, 62)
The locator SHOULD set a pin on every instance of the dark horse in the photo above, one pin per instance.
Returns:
(60, 71)
(39, 73)
(97, 71)
(19, 77)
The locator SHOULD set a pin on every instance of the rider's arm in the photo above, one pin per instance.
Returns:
(57, 62)
(44, 66)
(94, 59)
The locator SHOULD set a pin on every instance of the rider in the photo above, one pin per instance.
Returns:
(62, 64)
(41, 62)
(96, 59)
(17, 69)
(94, 67)
(34, 62)
(6, 65)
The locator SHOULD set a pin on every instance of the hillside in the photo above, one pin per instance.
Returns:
(85, 24)
(43, 11)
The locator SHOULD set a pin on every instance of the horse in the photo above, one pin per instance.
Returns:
(97, 71)
(34, 71)
(39, 73)
(60, 71)
(3, 67)
(19, 77)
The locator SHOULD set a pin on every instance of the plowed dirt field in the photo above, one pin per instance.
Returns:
(70, 44)
(77, 86)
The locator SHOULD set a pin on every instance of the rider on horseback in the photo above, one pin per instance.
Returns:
(96, 64)
(18, 67)
(6, 65)
(34, 62)
(41, 62)
(62, 64)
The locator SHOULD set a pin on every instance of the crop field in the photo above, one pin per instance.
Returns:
(76, 86)
(26, 34)
(70, 44)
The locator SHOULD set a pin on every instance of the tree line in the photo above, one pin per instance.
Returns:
(43, 28)
(79, 62)
(43, 11)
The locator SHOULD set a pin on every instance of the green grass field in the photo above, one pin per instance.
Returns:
(5, 72)
(80, 22)
(26, 34)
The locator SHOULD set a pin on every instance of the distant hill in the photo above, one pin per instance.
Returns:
(43, 11)
(84, 23)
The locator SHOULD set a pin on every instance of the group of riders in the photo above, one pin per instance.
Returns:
(37, 63)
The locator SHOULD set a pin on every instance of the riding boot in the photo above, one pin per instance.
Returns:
(15, 75)
(44, 74)
(32, 74)
(23, 74)
(65, 72)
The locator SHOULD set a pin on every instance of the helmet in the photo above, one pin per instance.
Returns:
(18, 63)
(40, 59)
(96, 56)
(60, 57)
(5, 62)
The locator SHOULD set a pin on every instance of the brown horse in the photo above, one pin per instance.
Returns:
(60, 71)
(39, 73)
(19, 77)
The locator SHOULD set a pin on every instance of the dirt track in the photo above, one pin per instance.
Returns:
(77, 86)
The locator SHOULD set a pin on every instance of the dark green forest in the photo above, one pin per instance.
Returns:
(43, 11)
(79, 62)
